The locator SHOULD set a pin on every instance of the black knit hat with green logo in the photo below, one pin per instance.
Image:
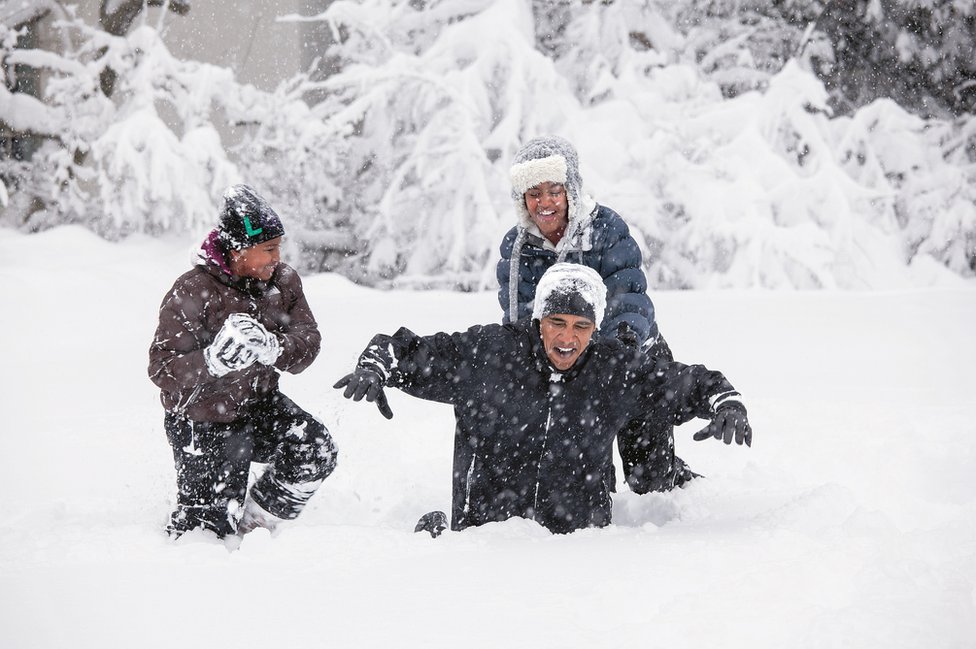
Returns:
(246, 219)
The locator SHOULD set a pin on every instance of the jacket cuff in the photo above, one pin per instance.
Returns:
(728, 399)
(379, 359)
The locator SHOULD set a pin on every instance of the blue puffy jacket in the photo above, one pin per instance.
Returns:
(603, 243)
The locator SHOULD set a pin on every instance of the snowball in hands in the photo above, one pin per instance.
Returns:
(261, 342)
(240, 341)
(266, 346)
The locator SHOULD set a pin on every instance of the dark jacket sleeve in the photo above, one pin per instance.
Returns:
(620, 267)
(176, 362)
(681, 392)
(300, 337)
(443, 367)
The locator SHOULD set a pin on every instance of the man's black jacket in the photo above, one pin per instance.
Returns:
(532, 441)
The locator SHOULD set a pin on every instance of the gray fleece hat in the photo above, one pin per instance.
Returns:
(546, 159)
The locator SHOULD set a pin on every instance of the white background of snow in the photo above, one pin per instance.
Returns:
(850, 523)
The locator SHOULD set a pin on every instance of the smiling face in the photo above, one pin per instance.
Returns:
(564, 337)
(548, 209)
(258, 262)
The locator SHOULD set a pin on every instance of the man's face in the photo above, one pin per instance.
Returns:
(549, 209)
(258, 262)
(564, 337)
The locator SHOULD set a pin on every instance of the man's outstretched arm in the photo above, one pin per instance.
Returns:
(689, 391)
(427, 367)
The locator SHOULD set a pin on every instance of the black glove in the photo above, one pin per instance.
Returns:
(364, 382)
(728, 423)
(626, 334)
(432, 522)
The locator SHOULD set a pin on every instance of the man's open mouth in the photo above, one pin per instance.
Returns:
(564, 352)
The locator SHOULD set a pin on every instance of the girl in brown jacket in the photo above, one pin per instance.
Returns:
(226, 330)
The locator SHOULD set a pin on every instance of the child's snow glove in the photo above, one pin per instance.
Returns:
(369, 378)
(230, 349)
(264, 344)
(729, 422)
(241, 341)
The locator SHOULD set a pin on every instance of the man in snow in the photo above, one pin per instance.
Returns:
(538, 403)
(226, 330)
(556, 220)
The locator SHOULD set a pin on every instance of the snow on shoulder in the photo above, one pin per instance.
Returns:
(566, 279)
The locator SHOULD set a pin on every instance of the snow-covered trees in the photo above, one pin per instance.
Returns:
(115, 163)
(701, 122)
(917, 52)
(429, 117)
(765, 187)
(134, 139)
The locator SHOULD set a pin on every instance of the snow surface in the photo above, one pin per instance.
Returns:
(851, 522)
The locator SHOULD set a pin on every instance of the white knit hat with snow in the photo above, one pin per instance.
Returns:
(571, 289)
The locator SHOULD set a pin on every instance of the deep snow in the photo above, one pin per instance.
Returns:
(851, 522)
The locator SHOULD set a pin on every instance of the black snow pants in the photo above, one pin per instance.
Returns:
(646, 446)
(213, 462)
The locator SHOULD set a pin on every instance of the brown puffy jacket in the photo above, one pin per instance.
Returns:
(191, 315)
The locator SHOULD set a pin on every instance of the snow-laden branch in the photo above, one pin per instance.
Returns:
(24, 113)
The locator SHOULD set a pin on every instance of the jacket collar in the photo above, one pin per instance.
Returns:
(579, 230)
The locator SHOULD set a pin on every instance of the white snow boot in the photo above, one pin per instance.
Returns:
(256, 516)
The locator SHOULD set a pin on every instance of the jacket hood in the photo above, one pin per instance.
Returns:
(211, 253)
